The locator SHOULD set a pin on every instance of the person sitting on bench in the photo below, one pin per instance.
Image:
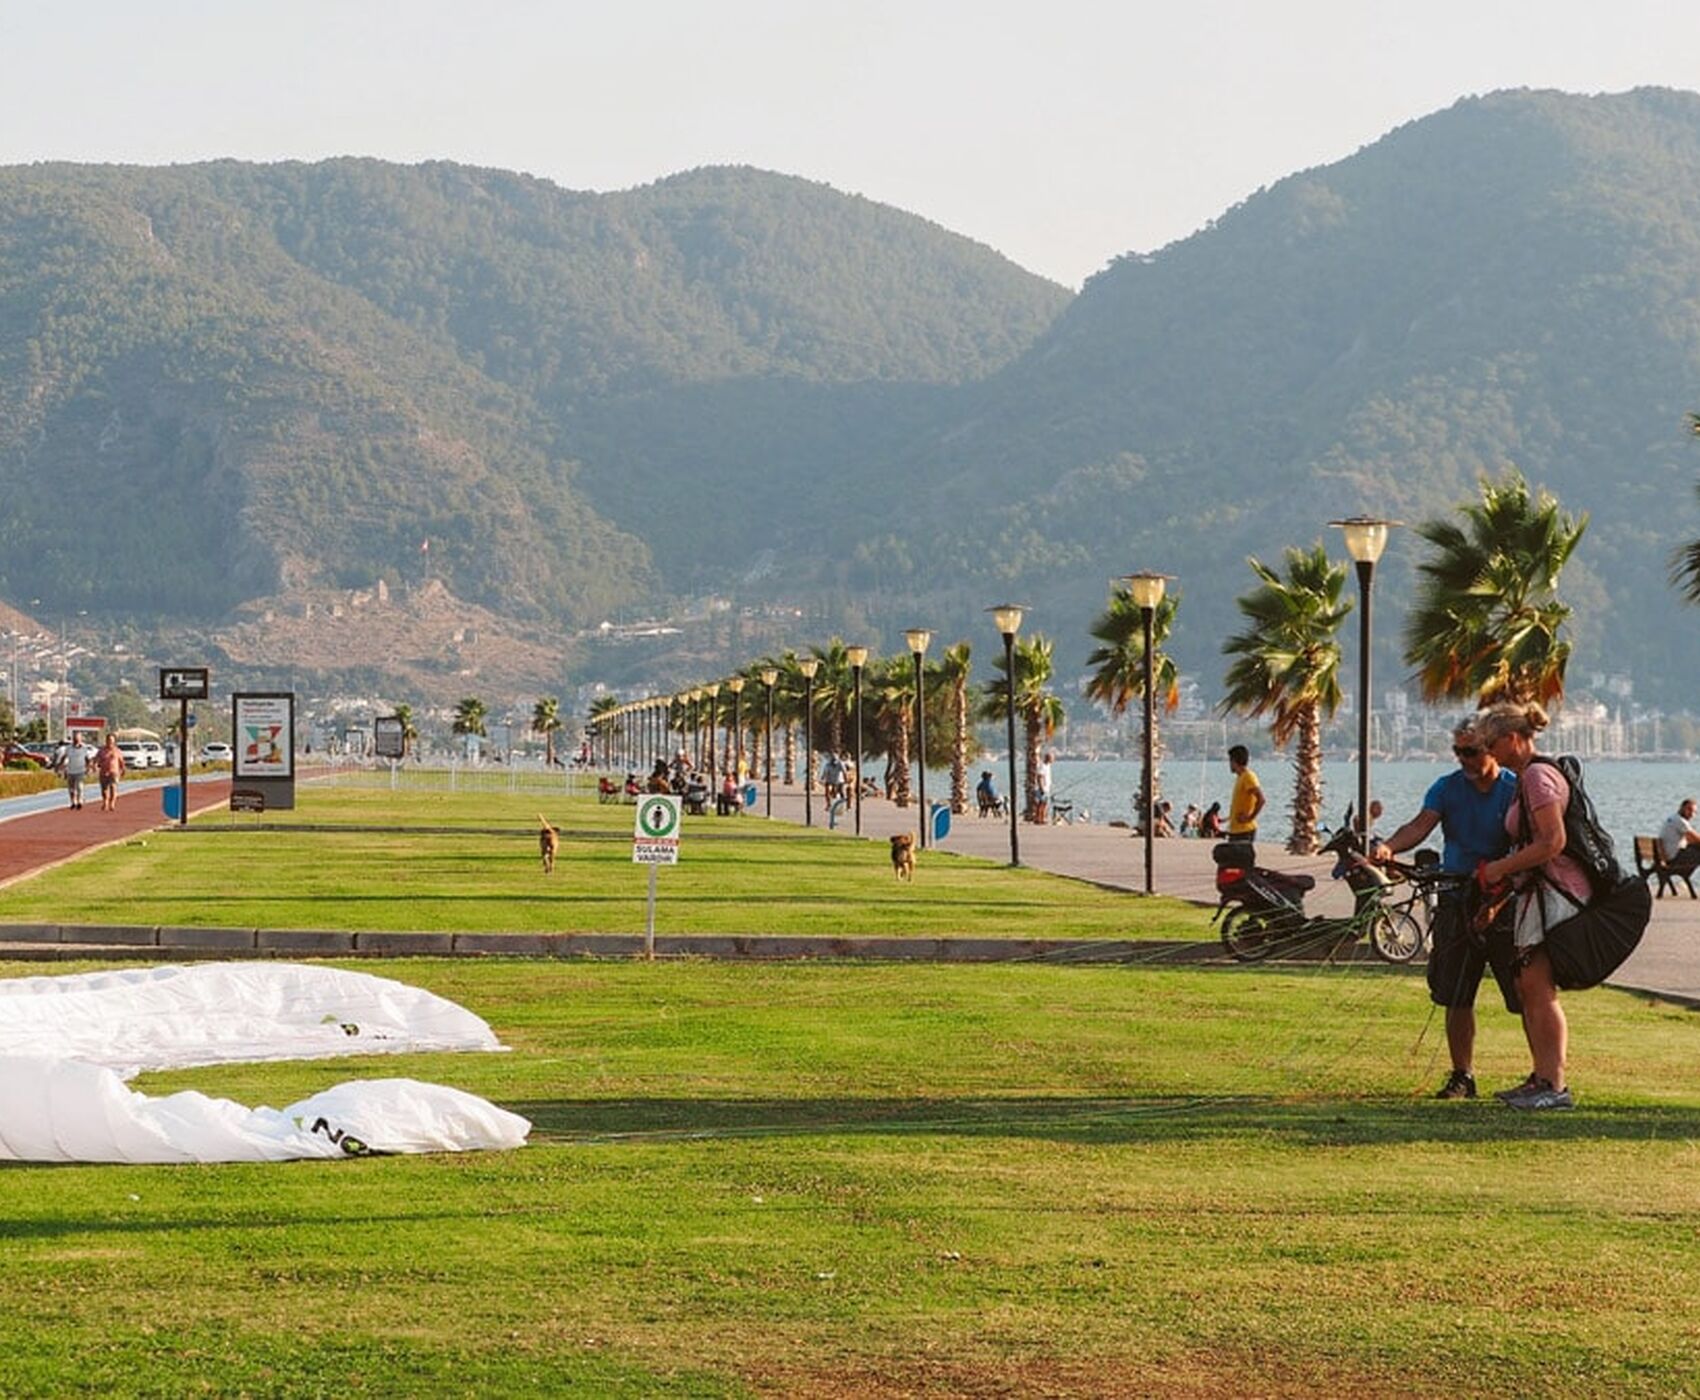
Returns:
(986, 794)
(1679, 840)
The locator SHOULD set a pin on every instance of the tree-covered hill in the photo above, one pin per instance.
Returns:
(295, 374)
(1513, 280)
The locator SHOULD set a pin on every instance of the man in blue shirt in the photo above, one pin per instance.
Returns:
(1469, 806)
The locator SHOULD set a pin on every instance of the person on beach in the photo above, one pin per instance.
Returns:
(1679, 840)
(74, 767)
(1549, 888)
(1210, 824)
(109, 768)
(1469, 805)
(1247, 800)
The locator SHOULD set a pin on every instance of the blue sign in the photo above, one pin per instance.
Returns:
(941, 821)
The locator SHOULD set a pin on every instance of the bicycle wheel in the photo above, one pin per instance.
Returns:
(1396, 936)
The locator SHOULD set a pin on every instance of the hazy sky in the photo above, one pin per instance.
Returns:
(1058, 131)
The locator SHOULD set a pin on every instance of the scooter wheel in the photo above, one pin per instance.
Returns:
(1396, 936)
(1246, 935)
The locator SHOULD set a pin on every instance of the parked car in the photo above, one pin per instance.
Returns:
(155, 752)
(17, 753)
(217, 752)
(135, 754)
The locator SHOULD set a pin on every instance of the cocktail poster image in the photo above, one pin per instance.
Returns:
(265, 736)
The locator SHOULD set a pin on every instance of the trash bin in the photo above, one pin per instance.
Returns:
(941, 820)
(172, 796)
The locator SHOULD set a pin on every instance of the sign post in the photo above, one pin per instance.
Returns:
(263, 727)
(655, 841)
(183, 684)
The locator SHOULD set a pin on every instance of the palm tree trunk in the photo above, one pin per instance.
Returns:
(1032, 726)
(959, 750)
(1307, 782)
(897, 788)
(790, 755)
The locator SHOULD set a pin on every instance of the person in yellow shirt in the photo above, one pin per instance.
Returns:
(1247, 800)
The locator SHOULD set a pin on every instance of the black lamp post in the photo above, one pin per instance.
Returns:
(1147, 591)
(769, 675)
(696, 728)
(1366, 537)
(919, 639)
(713, 689)
(735, 762)
(858, 657)
(1008, 616)
(808, 666)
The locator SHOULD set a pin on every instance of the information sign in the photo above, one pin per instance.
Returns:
(183, 683)
(389, 737)
(655, 838)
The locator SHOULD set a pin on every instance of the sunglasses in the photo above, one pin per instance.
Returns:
(1467, 750)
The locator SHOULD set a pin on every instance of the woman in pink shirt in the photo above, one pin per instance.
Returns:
(1550, 887)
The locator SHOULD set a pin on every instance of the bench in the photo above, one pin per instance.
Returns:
(1650, 862)
(993, 808)
(1062, 812)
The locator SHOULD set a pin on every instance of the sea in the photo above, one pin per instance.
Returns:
(1632, 796)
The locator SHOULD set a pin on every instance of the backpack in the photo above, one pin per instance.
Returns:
(1585, 840)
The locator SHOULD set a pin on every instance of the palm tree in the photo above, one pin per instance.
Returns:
(409, 730)
(1287, 665)
(1685, 560)
(953, 669)
(1487, 621)
(834, 690)
(888, 689)
(546, 720)
(1119, 679)
(600, 706)
(469, 717)
(1036, 709)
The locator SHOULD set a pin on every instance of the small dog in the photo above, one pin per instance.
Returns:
(903, 855)
(548, 842)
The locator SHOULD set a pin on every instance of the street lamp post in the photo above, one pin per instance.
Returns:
(713, 689)
(736, 758)
(919, 638)
(1366, 537)
(1147, 590)
(858, 657)
(769, 676)
(808, 666)
(696, 728)
(1008, 616)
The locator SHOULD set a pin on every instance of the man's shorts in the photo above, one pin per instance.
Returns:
(1457, 957)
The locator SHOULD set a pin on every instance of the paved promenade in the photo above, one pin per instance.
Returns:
(1668, 960)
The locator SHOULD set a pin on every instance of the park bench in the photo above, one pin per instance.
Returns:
(1650, 863)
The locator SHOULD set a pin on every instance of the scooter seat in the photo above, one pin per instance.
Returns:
(1292, 882)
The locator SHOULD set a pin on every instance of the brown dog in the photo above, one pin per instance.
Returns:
(548, 842)
(903, 855)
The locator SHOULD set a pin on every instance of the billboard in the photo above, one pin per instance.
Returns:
(264, 735)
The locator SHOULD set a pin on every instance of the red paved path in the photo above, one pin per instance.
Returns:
(29, 844)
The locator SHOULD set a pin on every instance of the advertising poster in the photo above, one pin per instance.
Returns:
(265, 736)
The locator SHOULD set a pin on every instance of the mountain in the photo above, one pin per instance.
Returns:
(1515, 280)
(252, 379)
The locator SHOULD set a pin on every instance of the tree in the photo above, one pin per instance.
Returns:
(1487, 621)
(835, 691)
(888, 689)
(1685, 561)
(1037, 711)
(600, 706)
(124, 708)
(1287, 666)
(469, 716)
(954, 667)
(409, 730)
(546, 720)
(1119, 677)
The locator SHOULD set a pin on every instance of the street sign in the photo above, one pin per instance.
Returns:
(183, 683)
(655, 838)
(247, 800)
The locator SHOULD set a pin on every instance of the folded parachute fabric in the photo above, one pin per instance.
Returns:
(222, 1013)
(67, 1044)
(68, 1111)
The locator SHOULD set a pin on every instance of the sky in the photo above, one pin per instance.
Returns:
(1060, 133)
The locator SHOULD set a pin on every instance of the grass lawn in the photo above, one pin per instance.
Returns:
(735, 877)
(844, 1180)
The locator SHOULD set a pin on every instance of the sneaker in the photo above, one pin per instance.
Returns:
(1460, 1084)
(1541, 1094)
(1516, 1090)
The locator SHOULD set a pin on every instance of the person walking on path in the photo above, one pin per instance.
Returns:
(109, 767)
(1247, 800)
(1469, 805)
(1679, 839)
(1551, 888)
(74, 767)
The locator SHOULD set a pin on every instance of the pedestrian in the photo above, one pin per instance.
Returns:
(109, 768)
(74, 765)
(1679, 840)
(1469, 805)
(1247, 800)
(1042, 788)
(1549, 888)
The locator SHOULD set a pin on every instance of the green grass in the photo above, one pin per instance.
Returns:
(735, 877)
(845, 1179)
